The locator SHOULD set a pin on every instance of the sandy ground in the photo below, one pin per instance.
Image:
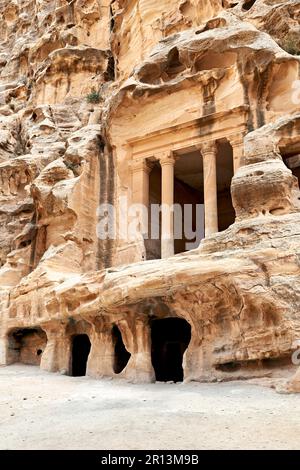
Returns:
(49, 411)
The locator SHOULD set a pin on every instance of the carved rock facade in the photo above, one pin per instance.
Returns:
(185, 102)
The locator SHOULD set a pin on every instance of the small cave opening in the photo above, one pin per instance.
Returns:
(121, 355)
(110, 73)
(248, 4)
(81, 347)
(173, 65)
(229, 367)
(254, 365)
(25, 243)
(26, 345)
(170, 338)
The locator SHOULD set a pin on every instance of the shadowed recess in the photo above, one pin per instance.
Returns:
(121, 355)
(81, 347)
(170, 338)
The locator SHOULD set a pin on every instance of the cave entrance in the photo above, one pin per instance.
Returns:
(81, 347)
(26, 345)
(170, 338)
(248, 4)
(121, 355)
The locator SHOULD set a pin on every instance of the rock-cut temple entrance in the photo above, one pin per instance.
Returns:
(170, 338)
(192, 187)
(81, 347)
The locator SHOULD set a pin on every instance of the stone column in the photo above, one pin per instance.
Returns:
(140, 188)
(57, 354)
(3, 350)
(101, 357)
(237, 144)
(209, 153)
(137, 340)
(167, 162)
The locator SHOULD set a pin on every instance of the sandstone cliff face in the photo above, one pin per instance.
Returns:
(88, 86)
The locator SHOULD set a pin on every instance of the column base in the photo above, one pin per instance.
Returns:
(167, 248)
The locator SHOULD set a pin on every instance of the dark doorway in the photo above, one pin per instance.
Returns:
(170, 338)
(153, 243)
(122, 356)
(80, 352)
(189, 196)
(226, 213)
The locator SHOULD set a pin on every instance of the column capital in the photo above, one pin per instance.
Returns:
(208, 147)
(166, 158)
(140, 165)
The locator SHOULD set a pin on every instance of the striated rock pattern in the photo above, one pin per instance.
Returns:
(184, 101)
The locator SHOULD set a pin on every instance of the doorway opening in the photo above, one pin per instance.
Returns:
(121, 355)
(225, 172)
(189, 196)
(188, 202)
(81, 347)
(170, 338)
(189, 218)
(153, 245)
